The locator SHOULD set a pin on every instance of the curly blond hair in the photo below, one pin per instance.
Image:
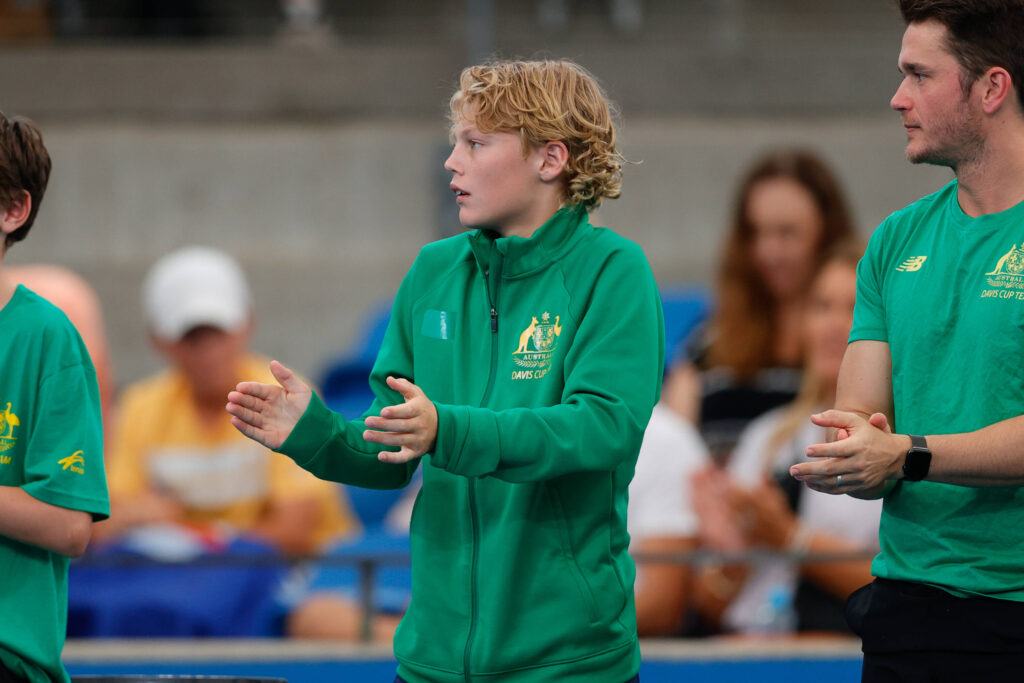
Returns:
(547, 101)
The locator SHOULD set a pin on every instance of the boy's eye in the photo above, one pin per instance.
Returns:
(474, 144)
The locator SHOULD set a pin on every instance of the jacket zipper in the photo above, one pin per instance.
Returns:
(472, 580)
(492, 274)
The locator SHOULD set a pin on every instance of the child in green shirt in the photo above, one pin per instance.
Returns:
(52, 485)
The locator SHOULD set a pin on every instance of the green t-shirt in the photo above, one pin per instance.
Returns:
(51, 445)
(946, 291)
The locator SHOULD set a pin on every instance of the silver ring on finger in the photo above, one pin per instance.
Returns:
(839, 480)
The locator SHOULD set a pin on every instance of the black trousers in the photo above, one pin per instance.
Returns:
(913, 633)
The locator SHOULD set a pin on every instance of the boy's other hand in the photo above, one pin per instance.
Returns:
(267, 413)
(411, 425)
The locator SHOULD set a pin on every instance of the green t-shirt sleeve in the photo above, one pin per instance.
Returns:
(869, 311)
(64, 455)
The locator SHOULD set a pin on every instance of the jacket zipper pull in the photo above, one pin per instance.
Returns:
(494, 320)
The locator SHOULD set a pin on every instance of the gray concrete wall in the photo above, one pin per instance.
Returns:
(401, 58)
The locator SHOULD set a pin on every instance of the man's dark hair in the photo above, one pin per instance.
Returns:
(982, 34)
(24, 165)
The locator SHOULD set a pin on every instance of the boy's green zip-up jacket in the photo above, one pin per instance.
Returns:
(544, 359)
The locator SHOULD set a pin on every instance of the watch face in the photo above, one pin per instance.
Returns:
(915, 467)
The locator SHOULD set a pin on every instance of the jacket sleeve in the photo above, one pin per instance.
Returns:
(332, 447)
(612, 376)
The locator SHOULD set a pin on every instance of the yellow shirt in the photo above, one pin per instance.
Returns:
(218, 474)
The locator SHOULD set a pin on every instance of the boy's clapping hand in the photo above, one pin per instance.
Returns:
(411, 425)
(267, 413)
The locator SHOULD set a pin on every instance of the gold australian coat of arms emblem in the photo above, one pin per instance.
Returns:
(8, 421)
(1009, 270)
(537, 344)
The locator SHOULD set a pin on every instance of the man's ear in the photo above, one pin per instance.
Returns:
(554, 158)
(14, 216)
(997, 86)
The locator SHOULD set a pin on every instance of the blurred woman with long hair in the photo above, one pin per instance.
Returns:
(789, 211)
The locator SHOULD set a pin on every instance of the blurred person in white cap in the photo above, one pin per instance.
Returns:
(174, 457)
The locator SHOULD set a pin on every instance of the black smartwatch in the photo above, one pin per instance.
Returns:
(919, 458)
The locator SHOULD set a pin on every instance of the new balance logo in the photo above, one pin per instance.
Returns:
(912, 264)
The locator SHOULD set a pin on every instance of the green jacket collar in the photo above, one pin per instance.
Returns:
(523, 256)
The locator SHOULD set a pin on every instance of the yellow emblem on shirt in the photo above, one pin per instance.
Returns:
(72, 462)
(912, 264)
(537, 344)
(1007, 278)
(8, 421)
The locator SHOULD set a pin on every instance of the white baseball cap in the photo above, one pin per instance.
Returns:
(195, 286)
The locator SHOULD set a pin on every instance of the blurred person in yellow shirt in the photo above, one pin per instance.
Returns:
(175, 462)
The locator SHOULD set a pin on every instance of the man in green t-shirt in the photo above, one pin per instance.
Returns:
(937, 351)
(52, 485)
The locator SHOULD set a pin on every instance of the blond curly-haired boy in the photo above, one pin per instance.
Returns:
(520, 367)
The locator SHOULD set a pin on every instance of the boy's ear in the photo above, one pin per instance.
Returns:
(554, 158)
(14, 216)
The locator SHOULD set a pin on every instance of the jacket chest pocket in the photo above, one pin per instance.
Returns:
(435, 353)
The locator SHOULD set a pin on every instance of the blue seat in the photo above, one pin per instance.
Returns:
(686, 305)
(392, 579)
(112, 596)
(344, 382)
(371, 505)
(345, 388)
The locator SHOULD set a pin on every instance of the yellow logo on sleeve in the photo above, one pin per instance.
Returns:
(8, 421)
(912, 264)
(74, 462)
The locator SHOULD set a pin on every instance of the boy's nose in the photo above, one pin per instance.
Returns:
(449, 163)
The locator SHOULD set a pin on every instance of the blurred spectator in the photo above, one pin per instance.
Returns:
(174, 456)
(304, 24)
(660, 519)
(755, 504)
(789, 210)
(70, 293)
(25, 20)
(303, 15)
